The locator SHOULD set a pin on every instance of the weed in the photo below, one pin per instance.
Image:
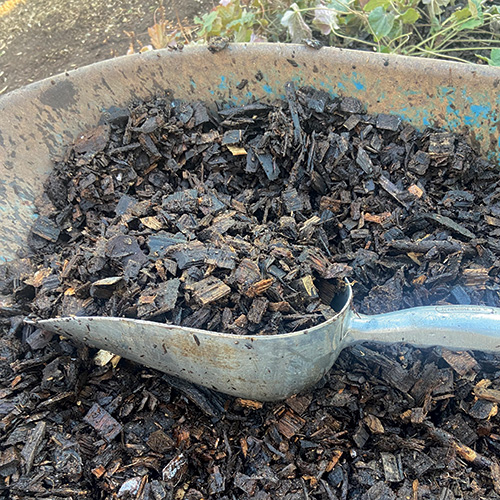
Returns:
(461, 30)
(241, 22)
(428, 28)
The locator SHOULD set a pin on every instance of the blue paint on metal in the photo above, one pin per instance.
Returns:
(329, 88)
(223, 85)
(267, 88)
(341, 86)
(192, 83)
(444, 92)
(356, 80)
(450, 109)
(453, 123)
(402, 113)
(479, 113)
(468, 120)
(212, 92)
(447, 94)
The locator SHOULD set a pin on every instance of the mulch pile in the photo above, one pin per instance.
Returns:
(247, 220)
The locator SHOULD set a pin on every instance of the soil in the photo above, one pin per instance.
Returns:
(39, 39)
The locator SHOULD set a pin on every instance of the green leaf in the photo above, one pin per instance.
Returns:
(381, 22)
(410, 16)
(475, 8)
(471, 24)
(494, 60)
(495, 57)
(247, 19)
(476, 13)
(373, 4)
(462, 14)
(208, 24)
(229, 13)
(243, 34)
(340, 6)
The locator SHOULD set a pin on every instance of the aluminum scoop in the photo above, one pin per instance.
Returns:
(274, 367)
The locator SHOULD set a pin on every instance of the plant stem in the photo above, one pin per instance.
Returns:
(437, 54)
(464, 49)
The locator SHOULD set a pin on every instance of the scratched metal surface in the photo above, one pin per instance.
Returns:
(38, 121)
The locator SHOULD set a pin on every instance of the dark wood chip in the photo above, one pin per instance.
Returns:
(103, 422)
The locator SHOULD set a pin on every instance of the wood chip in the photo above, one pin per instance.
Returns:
(248, 403)
(290, 424)
(482, 391)
(209, 290)
(393, 468)
(462, 362)
(103, 422)
(35, 439)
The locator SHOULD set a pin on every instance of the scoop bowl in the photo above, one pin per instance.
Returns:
(274, 367)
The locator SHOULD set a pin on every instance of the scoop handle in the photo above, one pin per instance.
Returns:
(457, 327)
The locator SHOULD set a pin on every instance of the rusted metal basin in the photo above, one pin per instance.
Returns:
(38, 121)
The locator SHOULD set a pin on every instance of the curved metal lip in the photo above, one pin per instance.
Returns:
(285, 49)
(215, 335)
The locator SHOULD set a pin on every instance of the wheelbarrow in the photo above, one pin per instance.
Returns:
(40, 120)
